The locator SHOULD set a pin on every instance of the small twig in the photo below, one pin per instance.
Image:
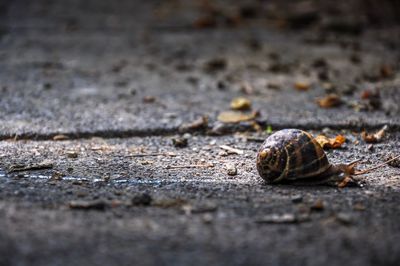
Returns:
(145, 154)
(376, 167)
(21, 168)
(151, 154)
(188, 166)
(232, 150)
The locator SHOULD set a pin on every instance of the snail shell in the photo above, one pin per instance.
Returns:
(293, 155)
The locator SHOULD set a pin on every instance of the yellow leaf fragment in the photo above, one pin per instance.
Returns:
(330, 143)
(240, 103)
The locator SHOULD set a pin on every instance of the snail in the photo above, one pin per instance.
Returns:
(294, 156)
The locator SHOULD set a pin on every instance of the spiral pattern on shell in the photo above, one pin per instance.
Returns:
(290, 155)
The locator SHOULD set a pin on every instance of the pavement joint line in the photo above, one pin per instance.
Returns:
(227, 130)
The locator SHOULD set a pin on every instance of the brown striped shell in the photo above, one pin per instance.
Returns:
(293, 155)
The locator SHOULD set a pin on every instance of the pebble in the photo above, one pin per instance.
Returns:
(231, 169)
(187, 135)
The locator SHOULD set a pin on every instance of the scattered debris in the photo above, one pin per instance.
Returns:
(368, 94)
(71, 154)
(386, 71)
(323, 74)
(209, 165)
(231, 169)
(199, 208)
(318, 205)
(206, 21)
(121, 84)
(60, 137)
(372, 99)
(216, 64)
(47, 86)
(256, 126)
(328, 87)
(393, 160)
(255, 139)
(200, 123)
(319, 62)
(344, 218)
(240, 103)
(235, 117)
(100, 148)
(273, 86)
(207, 218)
(279, 67)
(149, 99)
(32, 167)
(355, 58)
(297, 199)
(147, 154)
(231, 150)
(277, 218)
(143, 199)
(282, 218)
(330, 143)
(329, 101)
(359, 207)
(180, 142)
(302, 86)
(376, 137)
(247, 89)
(348, 89)
(169, 203)
(117, 67)
(56, 175)
(342, 26)
(87, 205)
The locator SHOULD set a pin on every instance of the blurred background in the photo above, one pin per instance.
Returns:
(349, 16)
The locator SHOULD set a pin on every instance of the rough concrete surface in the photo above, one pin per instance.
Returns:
(98, 100)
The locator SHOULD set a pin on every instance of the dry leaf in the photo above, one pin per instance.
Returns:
(331, 100)
(302, 86)
(198, 124)
(240, 103)
(60, 137)
(234, 117)
(376, 137)
(330, 143)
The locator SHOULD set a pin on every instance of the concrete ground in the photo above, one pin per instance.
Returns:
(95, 97)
